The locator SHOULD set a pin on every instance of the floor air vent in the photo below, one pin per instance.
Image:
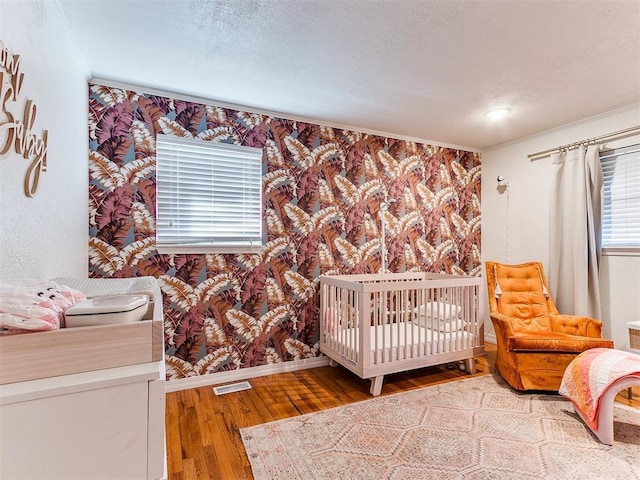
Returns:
(233, 387)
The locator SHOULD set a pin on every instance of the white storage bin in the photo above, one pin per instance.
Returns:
(107, 309)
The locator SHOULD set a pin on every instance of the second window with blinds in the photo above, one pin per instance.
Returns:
(621, 214)
(209, 196)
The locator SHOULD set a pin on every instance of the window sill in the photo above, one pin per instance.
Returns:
(621, 252)
(204, 249)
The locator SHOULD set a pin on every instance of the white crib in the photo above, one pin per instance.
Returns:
(414, 320)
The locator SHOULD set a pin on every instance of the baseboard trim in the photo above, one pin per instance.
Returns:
(490, 338)
(245, 373)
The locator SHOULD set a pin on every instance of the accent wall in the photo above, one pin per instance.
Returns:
(322, 191)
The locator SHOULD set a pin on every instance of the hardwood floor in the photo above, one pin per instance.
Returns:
(203, 430)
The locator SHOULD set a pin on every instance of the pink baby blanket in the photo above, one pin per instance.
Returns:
(34, 305)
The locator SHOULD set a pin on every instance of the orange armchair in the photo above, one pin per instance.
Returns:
(535, 343)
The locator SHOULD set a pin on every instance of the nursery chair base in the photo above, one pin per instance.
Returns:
(604, 432)
(592, 382)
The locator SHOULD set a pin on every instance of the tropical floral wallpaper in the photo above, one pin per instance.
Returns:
(322, 188)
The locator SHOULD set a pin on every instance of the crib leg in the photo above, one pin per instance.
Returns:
(376, 385)
(470, 365)
(332, 363)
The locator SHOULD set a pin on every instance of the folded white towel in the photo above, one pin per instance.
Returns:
(441, 316)
(439, 310)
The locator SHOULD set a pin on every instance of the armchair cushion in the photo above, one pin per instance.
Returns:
(554, 342)
(525, 305)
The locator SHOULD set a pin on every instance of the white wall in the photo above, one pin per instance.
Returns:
(515, 223)
(46, 236)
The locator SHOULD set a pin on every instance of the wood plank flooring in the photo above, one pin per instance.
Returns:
(203, 430)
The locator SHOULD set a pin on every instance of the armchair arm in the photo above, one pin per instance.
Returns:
(503, 329)
(502, 324)
(574, 325)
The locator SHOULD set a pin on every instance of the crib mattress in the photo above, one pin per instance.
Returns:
(403, 340)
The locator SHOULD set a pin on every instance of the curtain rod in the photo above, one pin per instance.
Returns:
(588, 141)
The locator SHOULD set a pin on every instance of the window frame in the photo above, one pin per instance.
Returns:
(608, 160)
(216, 150)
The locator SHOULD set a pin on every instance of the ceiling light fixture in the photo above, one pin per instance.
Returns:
(497, 113)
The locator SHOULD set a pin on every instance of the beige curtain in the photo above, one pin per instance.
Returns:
(575, 231)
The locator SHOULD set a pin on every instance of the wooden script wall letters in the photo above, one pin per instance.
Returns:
(15, 132)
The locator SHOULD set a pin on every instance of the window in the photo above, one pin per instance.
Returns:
(621, 214)
(209, 196)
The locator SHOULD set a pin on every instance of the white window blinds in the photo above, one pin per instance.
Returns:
(208, 195)
(621, 214)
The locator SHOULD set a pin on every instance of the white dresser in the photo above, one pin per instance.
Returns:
(88, 402)
(104, 424)
(84, 403)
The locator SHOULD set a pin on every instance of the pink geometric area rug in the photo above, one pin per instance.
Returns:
(475, 428)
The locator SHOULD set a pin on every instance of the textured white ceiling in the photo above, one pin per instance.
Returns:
(414, 68)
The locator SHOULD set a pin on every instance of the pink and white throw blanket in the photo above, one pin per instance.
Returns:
(591, 373)
(34, 305)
